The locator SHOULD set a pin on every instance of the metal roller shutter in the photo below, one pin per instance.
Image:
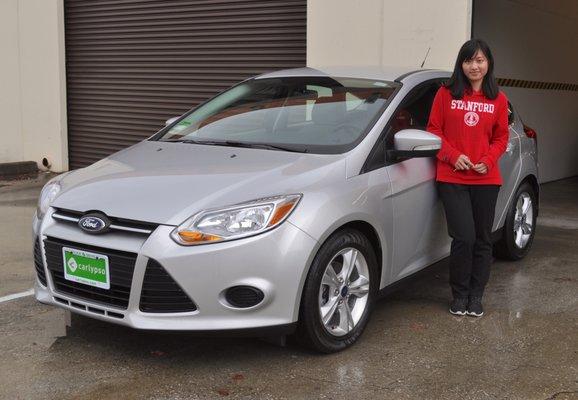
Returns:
(132, 64)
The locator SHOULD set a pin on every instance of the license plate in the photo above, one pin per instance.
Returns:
(86, 267)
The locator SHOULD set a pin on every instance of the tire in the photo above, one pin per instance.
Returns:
(516, 241)
(323, 292)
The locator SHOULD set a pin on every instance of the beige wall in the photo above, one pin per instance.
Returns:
(10, 104)
(32, 82)
(386, 32)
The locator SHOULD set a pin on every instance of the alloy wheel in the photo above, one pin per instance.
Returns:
(523, 220)
(344, 291)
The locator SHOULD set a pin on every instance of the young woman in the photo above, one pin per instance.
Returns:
(470, 115)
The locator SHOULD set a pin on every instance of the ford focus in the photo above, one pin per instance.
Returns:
(284, 205)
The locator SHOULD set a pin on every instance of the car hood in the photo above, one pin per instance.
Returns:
(165, 183)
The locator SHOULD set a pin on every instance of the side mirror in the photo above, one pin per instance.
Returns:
(171, 120)
(411, 143)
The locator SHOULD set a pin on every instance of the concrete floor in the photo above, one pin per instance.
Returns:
(18, 199)
(525, 347)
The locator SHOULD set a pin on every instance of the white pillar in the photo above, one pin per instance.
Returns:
(10, 102)
(43, 82)
(33, 82)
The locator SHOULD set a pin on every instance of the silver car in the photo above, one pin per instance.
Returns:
(286, 204)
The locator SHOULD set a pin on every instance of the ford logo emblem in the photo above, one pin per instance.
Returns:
(94, 223)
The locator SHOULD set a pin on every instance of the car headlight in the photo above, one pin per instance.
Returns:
(235, 222)
(47, 196)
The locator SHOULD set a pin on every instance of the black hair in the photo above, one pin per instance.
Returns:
(459, 82)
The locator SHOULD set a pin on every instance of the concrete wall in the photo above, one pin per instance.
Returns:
(32, 82)
(535, 40)
(386, 32)
(10, 103)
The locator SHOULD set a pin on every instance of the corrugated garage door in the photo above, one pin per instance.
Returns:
(131, 64)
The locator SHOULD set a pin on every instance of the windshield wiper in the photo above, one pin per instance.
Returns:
(193, 141)
(248, 145)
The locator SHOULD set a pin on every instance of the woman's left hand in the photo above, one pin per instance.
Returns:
(480, 168)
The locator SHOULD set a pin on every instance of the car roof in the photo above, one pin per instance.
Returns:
(384, 73)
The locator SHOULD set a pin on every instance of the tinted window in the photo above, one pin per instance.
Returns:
(414, 111)
(511, 115)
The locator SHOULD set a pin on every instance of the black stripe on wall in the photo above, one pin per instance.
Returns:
(506, 82)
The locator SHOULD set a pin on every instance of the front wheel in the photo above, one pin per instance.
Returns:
(520, 225)
(338, 293)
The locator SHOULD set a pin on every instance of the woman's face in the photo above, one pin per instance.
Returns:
(476, 67)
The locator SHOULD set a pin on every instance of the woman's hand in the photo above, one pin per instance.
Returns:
(463, 163)
(480, 168)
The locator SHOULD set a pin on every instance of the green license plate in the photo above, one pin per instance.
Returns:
(86, 267)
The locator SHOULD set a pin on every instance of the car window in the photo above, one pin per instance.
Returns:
(511, 114)
(315, 91)
(322, 114)
(414, 111)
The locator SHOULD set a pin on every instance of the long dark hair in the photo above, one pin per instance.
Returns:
(459, 82)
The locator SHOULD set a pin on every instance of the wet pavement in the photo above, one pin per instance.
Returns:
(17, 206)
(525, 347)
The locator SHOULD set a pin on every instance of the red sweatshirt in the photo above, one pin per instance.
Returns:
(475, 126)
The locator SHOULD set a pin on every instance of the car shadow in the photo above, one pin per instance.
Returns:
(429, 285)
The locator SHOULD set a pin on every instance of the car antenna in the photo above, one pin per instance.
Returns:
(426, 54)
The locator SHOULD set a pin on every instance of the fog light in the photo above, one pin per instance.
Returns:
(244, 296)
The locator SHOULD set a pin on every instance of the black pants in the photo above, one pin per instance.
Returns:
(470, 215)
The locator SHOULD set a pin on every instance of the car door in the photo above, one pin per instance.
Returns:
(510, 166)
(419, 232)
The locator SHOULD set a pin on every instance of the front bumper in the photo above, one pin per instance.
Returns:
(275, 262)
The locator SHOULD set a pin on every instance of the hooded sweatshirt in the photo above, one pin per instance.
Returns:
(475, 126)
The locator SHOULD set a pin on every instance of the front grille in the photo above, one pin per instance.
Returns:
(93, 310)
(121, 268)
(38, 264)
(161, 294)
(116, 224)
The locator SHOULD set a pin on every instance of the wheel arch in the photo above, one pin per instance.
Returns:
(358, 224)
(533, 181)
(371, 234)
(503, 247)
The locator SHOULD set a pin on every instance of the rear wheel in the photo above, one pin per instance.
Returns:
(520, 225)
(338, 293)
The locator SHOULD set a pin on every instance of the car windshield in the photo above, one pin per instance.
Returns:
(308, 114)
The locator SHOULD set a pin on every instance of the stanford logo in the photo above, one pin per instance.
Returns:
(98, 223)
(471, 118)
